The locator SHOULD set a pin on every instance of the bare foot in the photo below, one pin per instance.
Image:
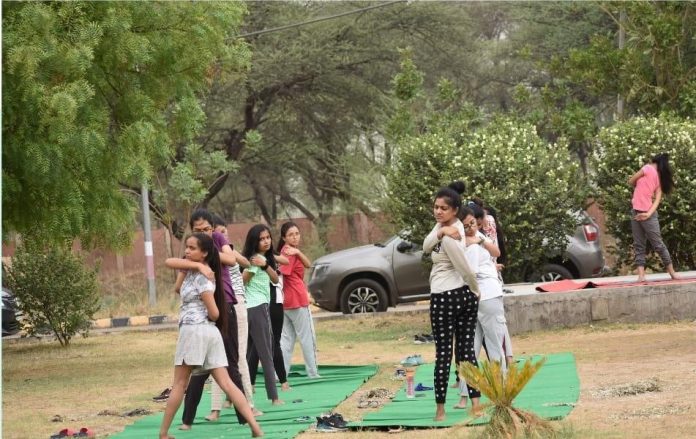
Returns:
(460, 405)
(184, 427)
(278, 402)
(226, 404)
(256, 431)
(256, 412)
(439, 414)
(285, 386)
(166, 436)
(675, 276)
(641, 279)
(213, 416)
(476, 410)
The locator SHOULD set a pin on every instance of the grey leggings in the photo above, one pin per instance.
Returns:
(261, 344)
(650, 229)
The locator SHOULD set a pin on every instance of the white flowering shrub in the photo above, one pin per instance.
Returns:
(623, 149)
(533, 185)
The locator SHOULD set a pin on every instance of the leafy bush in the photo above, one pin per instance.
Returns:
(623, 149)
(54, 290)
(533, 185)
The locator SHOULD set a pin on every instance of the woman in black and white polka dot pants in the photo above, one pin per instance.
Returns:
(453, 313)
(454, 295)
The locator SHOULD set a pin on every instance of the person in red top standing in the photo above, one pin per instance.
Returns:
(297, 319)
(650, 182)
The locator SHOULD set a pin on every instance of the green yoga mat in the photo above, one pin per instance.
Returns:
(317, 396)
(551, 394)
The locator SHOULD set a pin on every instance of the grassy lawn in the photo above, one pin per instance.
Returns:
(119, 372)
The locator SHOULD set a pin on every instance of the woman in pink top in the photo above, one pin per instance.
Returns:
(650, 182)
(297, 322)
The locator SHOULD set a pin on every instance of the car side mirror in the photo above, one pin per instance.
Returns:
(404, 246)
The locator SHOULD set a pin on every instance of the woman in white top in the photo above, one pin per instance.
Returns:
(200, 347)
(491, 324)
(488, 224)
(454, 294)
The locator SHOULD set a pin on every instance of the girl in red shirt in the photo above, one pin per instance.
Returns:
(297, 321)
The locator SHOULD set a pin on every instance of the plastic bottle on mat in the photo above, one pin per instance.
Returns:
(410, 392)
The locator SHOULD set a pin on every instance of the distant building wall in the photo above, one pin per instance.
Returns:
(133, 261)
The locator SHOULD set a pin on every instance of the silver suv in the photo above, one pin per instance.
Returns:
(373, 277)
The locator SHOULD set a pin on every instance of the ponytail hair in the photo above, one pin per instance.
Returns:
(458, 186)
(664, 171)
(212, 258)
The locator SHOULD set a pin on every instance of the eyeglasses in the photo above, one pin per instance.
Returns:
(202, 229)
(470, 225)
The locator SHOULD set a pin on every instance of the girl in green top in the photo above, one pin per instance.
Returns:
(257, 282)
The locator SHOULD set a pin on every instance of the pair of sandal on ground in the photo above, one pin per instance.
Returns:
(69, 432)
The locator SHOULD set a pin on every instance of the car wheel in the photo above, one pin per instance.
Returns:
(554, 272)
(363, 295)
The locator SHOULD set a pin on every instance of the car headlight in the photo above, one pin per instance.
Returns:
(319, 271)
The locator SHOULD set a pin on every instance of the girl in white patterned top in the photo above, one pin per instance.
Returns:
(216, 393)
(201, 325)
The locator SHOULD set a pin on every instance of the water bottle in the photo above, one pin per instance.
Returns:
(410, 392)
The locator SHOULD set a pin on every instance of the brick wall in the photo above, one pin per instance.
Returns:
(133, 261)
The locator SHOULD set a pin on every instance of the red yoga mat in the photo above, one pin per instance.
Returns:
(563, 286)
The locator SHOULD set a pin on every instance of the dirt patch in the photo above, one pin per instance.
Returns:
(631, 389)
(646, 372)
(653, 412)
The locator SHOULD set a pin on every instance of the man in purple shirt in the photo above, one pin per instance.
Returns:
(220, 242)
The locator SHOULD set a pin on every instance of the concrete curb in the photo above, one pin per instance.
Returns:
(119, 322)
(526, 310)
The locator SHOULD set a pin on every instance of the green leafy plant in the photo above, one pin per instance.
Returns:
(96, 101)
(534, 186)
(623, 149)
(501, 389)
(54, 290)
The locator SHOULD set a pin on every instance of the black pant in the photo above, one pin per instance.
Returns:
(277, 317)
(453, 313)
(194, 392)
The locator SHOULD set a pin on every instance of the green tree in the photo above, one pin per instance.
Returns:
(317, 96)
(95, 96)
(54, 290)
(623, 149)
(655, 71)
